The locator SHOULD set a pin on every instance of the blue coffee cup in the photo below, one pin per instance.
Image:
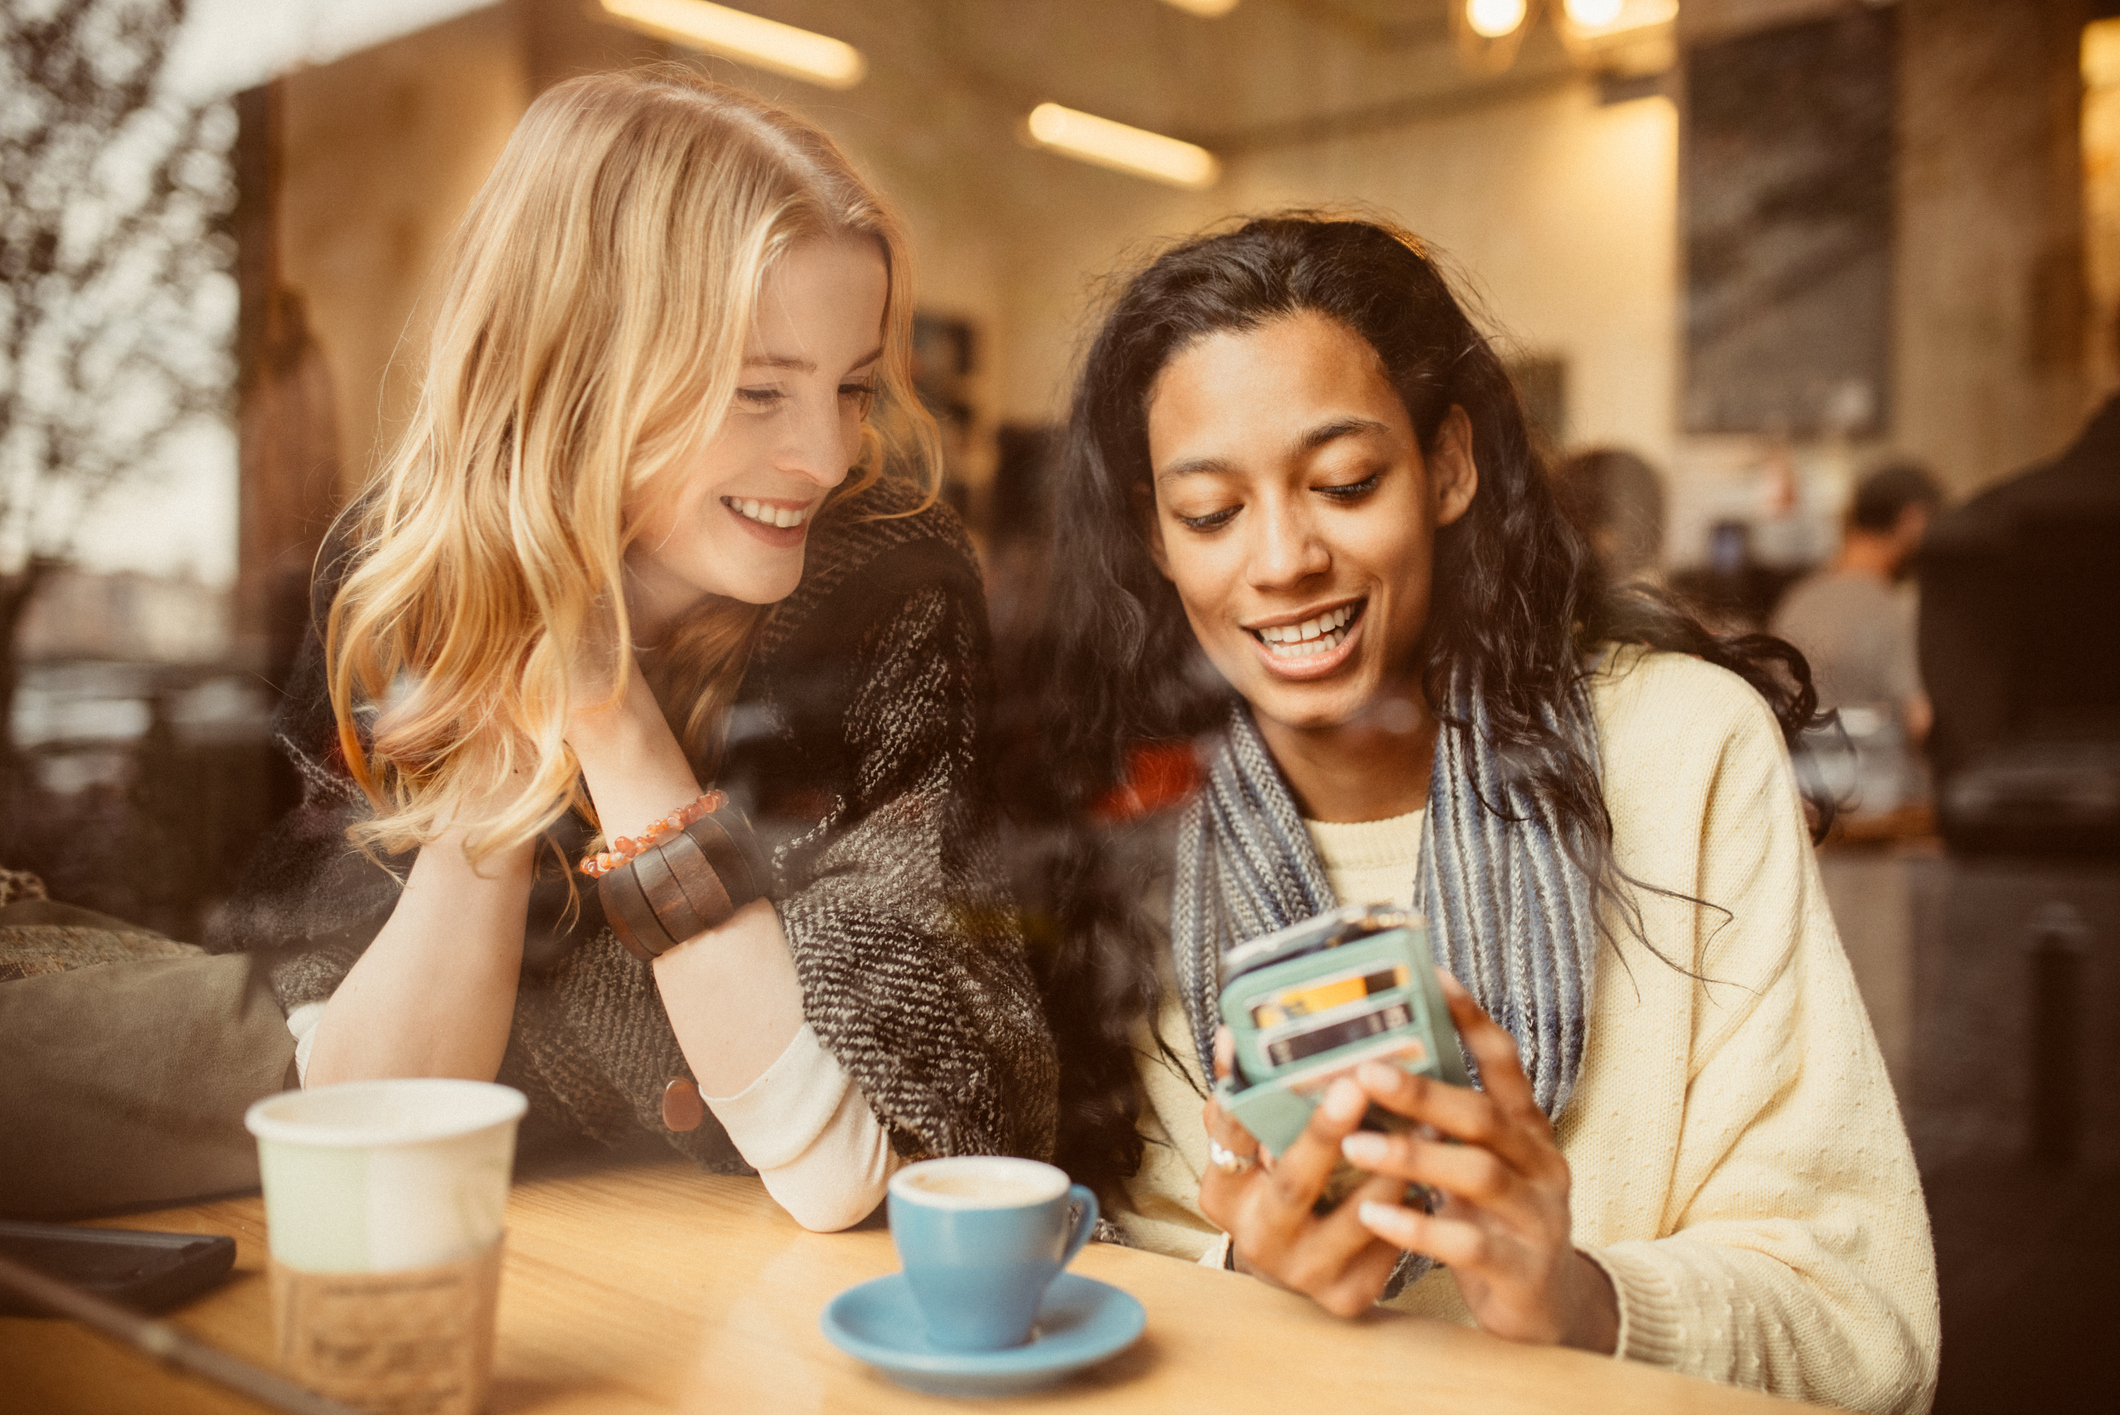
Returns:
(981, 1238)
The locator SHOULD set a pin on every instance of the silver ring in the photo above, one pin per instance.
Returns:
(1226, 1159)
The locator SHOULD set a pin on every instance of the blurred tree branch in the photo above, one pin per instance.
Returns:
(114, 302)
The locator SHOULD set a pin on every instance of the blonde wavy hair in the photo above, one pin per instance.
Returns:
(598, 299)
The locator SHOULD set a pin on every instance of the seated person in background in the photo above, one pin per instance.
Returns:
(1615, 501)
(1293, 455)
(2020, 608)
(1852, 620)
(664, 519)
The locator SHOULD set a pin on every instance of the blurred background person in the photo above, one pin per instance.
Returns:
(1616, 499)
(2020, 645)
(1854, 621)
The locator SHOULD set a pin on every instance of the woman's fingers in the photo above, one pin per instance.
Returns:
(1319, 1256)
(1454, 1242)
(1333, 1260)
(1363, 1282)
(1300, 1174)
(1355, 1262)
(1501, 1070)
(1230, 1146)
(1521, 1136)
(1268, 1208)
(1469, 1172)
(1503, 1116)
(1455, 1110)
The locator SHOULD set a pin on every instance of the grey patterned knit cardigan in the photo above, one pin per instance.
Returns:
(855, 744)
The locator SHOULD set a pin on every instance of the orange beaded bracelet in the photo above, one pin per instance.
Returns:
(624, 849)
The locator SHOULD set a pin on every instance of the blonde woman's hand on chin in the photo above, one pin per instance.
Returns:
(630, 760)
(732, 994)
(1503, 1226)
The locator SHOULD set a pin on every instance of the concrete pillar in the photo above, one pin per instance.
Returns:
(1990, 292)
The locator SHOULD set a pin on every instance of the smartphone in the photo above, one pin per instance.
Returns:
(149, 1272)
(1311, 1002)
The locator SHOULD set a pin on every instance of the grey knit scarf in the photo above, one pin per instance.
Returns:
(1508, 914)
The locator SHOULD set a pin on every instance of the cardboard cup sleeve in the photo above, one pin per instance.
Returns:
(416, 1342)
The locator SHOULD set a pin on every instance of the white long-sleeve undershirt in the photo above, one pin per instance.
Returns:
(803, 1125)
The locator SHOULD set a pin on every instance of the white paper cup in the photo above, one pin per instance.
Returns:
(381, 1176)
(384, 1209)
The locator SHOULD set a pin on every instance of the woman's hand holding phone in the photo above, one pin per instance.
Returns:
(1503, 1226)
(1269, 1209)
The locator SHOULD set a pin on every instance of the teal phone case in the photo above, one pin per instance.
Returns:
(1281, 1089)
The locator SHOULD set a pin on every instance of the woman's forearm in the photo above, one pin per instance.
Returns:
(731, 992)
(733, 998)
(434, 994)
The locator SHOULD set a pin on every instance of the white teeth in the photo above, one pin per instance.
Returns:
(765, 515)
(1311, 637)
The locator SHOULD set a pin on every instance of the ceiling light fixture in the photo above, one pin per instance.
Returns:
(1135, 151)
(1603, 17)
(1491, 19)
(1205, 9)
(752, 39)
(1631, 37)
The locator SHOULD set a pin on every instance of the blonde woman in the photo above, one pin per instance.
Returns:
(663, 522)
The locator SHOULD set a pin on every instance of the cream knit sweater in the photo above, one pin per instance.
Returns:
(1739, 1164)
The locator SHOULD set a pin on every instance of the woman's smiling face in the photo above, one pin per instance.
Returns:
(1296, 515)
(737, 519)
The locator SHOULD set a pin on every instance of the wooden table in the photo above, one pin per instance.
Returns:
(655, 1288)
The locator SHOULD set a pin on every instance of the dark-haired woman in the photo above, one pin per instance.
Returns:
(1294, 455)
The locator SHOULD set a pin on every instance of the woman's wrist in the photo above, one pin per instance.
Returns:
(630, 760)
(449, 855)
(1594, 1317)
(612, 730)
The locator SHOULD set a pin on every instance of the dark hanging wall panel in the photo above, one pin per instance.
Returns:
(1787, 192)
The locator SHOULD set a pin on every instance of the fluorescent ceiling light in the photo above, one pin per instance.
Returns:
(1123, 149)
(1613, 16)
(753, 39)
(1205, 9)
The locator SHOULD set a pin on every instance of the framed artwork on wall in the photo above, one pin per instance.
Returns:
(1787, 172)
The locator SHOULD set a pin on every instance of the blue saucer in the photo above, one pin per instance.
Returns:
(1081, 1322)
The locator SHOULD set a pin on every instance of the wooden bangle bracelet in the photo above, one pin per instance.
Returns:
(694, 873)
(687, 884)
(718, 848)
(673, 910)
(626, 909)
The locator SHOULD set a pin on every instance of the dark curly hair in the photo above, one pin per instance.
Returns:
(1517, 604)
